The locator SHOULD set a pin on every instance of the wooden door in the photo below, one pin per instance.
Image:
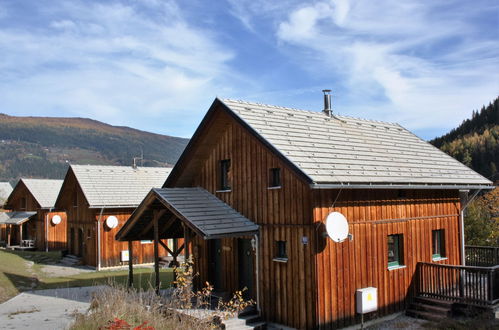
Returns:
(72, 242)
(81, 243)
(246, 270)
(215, 264)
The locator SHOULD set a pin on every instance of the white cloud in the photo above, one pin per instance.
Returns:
(411, 52)
(110, 61)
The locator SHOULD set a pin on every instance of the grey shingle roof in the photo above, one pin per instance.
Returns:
(15, 218)
(118, 186)
(45, 191)
(5, 190)
(211, 216)
(345, 150)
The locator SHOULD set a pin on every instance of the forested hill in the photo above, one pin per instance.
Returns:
(41, 147)
(476, 141)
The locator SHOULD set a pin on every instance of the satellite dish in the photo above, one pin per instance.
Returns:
(337, 227)
(112, 222)
(56, 219)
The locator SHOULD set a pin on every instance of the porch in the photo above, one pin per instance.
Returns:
(192, 215)
(17, 233)
(445, 290)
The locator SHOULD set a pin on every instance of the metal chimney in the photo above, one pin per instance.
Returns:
(327, 103)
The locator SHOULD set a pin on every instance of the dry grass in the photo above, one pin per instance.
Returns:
(181, 308)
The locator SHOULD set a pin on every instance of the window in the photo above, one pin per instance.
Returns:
(281, 254)
(224, 174)
(395, 250)
(438, 244)
(24, 205)
(274, 177)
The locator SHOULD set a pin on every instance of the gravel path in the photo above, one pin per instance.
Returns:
(45, 309)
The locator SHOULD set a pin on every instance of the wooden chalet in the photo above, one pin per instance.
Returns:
(33, 222)
(5, 190)
(98, 200)
(252, 191)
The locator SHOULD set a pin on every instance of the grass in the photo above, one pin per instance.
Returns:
(22, 271)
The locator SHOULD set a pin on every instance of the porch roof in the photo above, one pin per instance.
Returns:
(15, 218)
(196, 208)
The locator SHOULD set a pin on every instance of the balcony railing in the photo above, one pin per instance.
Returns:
(464, 284)
(481, 256)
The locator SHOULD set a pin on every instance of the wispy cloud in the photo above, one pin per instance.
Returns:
(424, 64)
(108, 61)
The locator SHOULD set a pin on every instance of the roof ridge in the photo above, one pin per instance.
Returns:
(312, 112)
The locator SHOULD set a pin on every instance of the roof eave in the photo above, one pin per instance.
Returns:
(399, 186)
(234, 234)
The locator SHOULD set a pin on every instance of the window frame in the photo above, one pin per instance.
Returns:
(224, 179)
(275, 178)
(438, 244)
(398, 249)
(281, 254)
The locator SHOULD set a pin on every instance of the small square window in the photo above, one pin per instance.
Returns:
(438, 244)
(275, 177)
(224, 174)
(281, 254)
(395, 250)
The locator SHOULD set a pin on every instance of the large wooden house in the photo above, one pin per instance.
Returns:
(33, 222)
(252, 191)
(98, 200)
(5, 190)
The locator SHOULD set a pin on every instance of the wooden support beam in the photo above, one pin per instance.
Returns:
(166, 247)
(151, 224)
(169, 223)
(130, 264)
(156, 250)
(186, 242)
(9, 232)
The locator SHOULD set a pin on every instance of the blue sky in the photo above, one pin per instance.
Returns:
(157, 65)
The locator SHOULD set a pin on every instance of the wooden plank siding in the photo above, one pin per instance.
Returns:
(56, 235)
(363, 262)
(287, 292)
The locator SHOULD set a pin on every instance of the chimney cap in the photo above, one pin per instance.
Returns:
(326, 91)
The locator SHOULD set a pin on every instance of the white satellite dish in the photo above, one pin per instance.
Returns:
(337, 227)
(56, 219)
(112, 222)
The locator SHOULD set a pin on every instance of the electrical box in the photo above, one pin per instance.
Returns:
(125, 256)
(367, 300)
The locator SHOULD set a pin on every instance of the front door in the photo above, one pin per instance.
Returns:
(246, 271)
(215, 264)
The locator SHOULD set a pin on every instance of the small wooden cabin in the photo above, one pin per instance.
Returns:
(5, 190)
(98, 200)
(34, 221)
(278, 173)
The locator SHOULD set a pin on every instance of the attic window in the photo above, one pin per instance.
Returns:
(24, 204)
(280, 252)
(225, 174)
(275, 178)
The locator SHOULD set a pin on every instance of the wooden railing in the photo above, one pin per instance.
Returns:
(482, 256)
(465, 284)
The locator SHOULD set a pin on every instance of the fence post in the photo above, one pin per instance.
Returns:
(491, 285)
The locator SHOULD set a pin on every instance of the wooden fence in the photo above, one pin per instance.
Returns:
(481, 256)
(465, 284)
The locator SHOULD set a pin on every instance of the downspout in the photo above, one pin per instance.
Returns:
(465, 201)
(98, 239)
(257, 250)
(47, 230)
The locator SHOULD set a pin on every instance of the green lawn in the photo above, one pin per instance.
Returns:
(21, 271)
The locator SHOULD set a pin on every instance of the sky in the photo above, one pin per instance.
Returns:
(157, 65)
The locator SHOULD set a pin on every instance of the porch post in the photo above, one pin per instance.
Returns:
(20, 234)
(186, 243)
(130, 264)
(9, 232)
(156, 251)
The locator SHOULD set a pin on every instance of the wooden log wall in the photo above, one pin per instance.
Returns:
(373, 215)
(287, 291)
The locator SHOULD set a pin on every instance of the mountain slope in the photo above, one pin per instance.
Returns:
(475, 142)
(43, 146)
